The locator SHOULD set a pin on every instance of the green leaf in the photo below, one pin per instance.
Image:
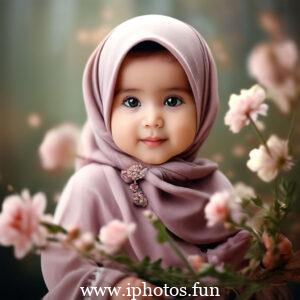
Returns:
(162, 235)
(257, 201)
(54, 228)
(249, 290)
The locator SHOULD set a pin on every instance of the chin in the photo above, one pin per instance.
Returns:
(154, 161)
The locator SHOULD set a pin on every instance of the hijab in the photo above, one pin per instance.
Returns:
(177, 190)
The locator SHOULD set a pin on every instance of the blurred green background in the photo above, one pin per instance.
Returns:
(44, 47)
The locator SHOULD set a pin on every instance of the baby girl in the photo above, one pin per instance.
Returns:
(151, 95)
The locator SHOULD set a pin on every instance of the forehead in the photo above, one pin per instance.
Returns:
(148, 69)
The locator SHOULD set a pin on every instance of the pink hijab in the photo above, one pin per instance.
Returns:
(101, 72)
(183, 184)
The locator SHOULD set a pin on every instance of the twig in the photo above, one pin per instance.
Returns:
(259, 134)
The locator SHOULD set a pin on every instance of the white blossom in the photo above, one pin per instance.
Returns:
(268, 165)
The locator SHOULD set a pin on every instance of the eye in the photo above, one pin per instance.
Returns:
(173, 101)
(131, 102)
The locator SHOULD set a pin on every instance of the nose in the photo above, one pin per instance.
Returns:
(153, 118)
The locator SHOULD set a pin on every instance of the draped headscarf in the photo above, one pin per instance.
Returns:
(184, 183)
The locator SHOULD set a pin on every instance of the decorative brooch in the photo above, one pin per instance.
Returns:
(132, 175)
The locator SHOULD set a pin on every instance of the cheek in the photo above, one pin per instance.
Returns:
(184, 129)
(123, 131)
(185, 134)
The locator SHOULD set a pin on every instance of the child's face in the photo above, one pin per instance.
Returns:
(153, 114)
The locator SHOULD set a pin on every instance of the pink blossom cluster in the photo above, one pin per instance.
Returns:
(24, 226)
(114, 235)
(59, 147)
(249, 104)
(275, 65)
(110, 240)
(20, 222)
(222, 207)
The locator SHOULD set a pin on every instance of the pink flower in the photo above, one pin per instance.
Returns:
(286, 53)
(19, 222)
(114, 235)
(275, 66)
(248, 103)
(261, 65)
(267, 165)
(59, 147)
(196, 262)
(85, 242)
(73, 233)
(222, 206)
(244, 191)
(34, 120)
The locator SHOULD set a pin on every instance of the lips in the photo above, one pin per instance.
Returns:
(153, 141)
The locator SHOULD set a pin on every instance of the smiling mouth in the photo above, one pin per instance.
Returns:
(153, 142)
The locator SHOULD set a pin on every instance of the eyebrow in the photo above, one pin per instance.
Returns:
(179, 89)
(124, 91)
(171, 89)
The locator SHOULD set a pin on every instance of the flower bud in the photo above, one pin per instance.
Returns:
(196, 262)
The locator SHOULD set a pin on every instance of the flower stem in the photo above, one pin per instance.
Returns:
(53, 239)
(292, 126)
(252, 230)
(180, 254)
(259, 134)
(248, 228)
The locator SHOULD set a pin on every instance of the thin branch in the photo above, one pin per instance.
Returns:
(259, 134)
(291, 129)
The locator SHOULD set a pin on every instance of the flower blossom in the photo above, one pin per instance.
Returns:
(59, 147)
(196, 262)
(73, 233)
(114, 235)
(244, 191)
(222, 206)
(85, 242)
(248, 104)
(275, 66)
(34, 120)
(20, 222)
(150, 215)
(267, 165)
